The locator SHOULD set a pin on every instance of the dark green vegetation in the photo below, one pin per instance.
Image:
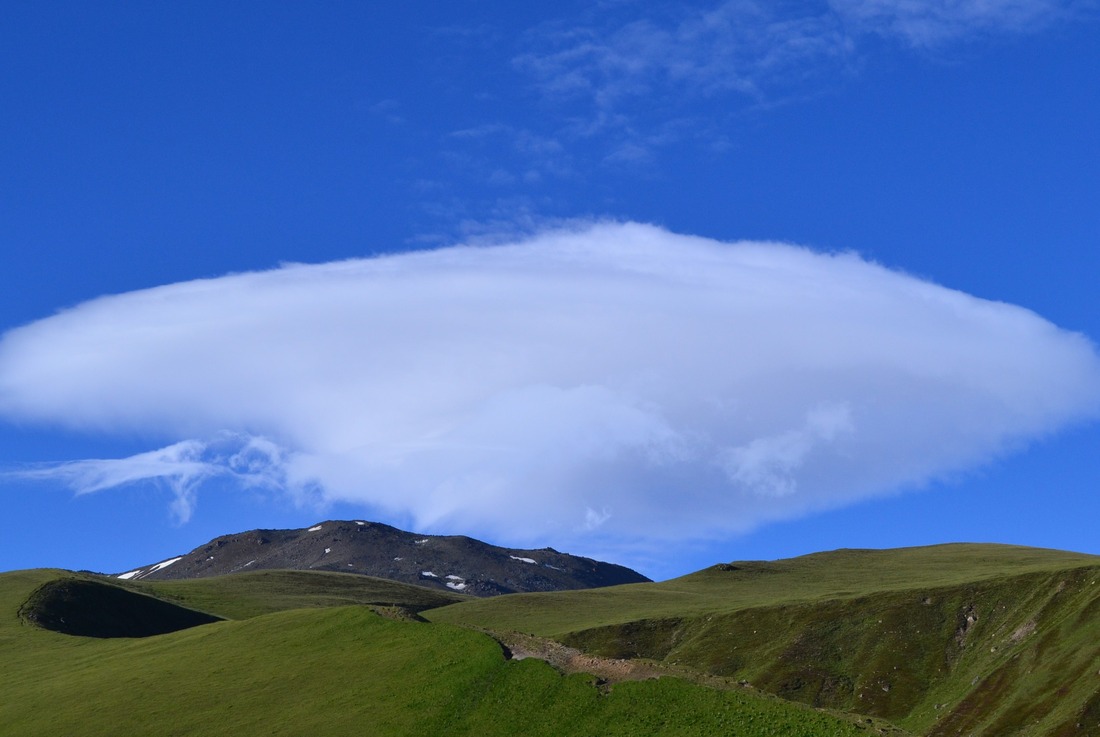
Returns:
(953, 639)
(949, 640)
(90, 608)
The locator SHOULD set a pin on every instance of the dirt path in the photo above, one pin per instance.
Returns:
(610, 671)
(570, 660)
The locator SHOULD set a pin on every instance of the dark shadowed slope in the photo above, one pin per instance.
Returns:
(86, 607)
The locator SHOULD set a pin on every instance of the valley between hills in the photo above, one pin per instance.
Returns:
(961, 639)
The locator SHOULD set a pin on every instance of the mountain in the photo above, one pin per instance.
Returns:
(446, 562)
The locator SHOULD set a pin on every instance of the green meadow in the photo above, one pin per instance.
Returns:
(312, 668)
(947, 640)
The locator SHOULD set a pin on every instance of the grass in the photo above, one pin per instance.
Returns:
(336, 671)
(955, 639)
(841, 574)
(244, 595)
(948, 640)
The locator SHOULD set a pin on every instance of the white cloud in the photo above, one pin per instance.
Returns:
(932, 22)
(595, 385)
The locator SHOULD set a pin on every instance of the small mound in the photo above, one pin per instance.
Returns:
(92, 609)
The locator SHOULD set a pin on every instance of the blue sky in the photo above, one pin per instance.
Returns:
(746, 279)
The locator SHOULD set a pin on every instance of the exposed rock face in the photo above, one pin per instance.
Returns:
(451, 562)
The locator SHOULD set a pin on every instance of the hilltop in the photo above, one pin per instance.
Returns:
(449, 562)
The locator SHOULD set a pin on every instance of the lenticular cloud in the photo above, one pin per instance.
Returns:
(612, 381)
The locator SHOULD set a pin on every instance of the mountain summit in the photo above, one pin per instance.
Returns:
(448, 562)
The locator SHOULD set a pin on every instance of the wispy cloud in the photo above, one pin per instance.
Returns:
(181, 467)
(741, 47)
(926, 23)
(627, 68)
(603, 384)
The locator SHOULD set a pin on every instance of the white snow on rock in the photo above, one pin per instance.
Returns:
(360, 523)
(328, 550)
(420, 542)
(428, 574)
(455, 578)
(524, 560)
(398, 558)
(142, 572)
(456, 586)
(165, 564)
(314, 529)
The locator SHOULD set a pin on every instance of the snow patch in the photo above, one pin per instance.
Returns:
(399, 558)
(165, 564)
(360, 523)
(328, 550)
(456, 586)
(456, 578)
(420, 542)
(142, 572)
(428, 574)
(314, 529)
(523, 560)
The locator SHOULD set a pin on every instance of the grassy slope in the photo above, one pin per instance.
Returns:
(810, 578)
(336, 671)
(243, 595)
(955, 639)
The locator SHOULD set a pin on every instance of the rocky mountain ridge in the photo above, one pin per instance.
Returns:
(448, 562)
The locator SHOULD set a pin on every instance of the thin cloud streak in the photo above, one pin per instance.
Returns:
(929, 23)
(181, 467)
(625, 68)
(740, 47)
(603, 385)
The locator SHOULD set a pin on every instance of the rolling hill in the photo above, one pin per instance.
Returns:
(948, 640)
(952, 639)
(306, 667)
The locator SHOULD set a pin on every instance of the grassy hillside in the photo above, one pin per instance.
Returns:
(244, 595)
(948, 640)
(747, 584)
(958, 639)
(336, 671)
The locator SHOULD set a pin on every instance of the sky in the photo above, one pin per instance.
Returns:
(667, 284)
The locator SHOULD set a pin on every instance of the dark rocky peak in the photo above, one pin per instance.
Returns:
(449, 562)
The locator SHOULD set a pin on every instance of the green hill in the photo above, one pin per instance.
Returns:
(953, 639)
(340, 670)
(949, 640)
